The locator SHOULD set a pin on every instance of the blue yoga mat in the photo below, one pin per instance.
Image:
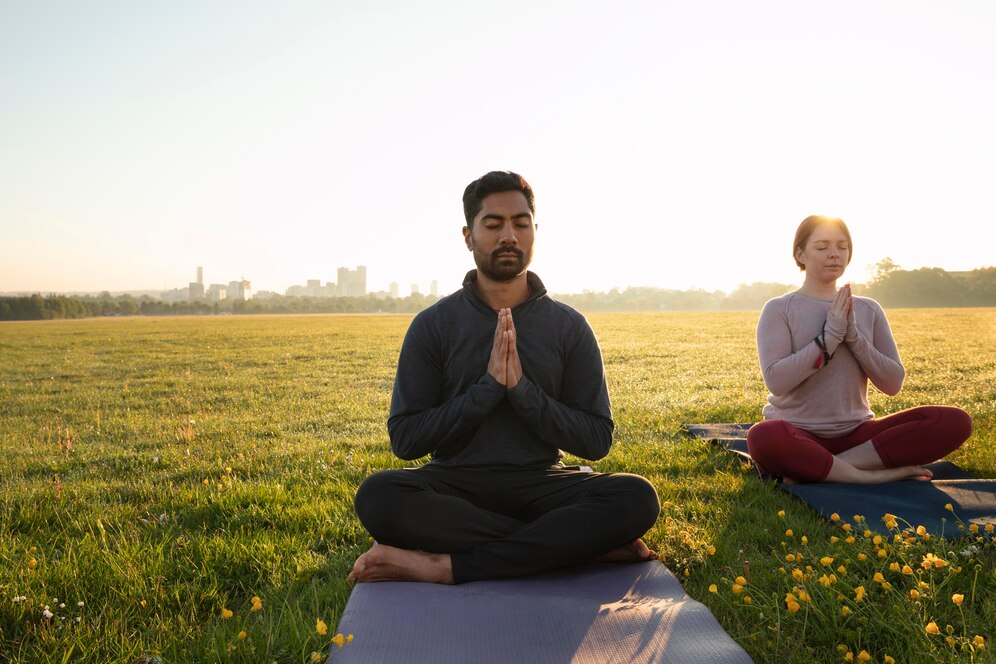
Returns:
(913, 502)
(595, 614)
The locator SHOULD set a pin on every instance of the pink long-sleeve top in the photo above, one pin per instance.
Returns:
(832, 400)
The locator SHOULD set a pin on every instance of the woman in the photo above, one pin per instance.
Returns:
(819, 346)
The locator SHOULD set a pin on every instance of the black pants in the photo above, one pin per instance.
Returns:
(504, 523)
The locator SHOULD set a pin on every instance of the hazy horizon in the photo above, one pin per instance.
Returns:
(404, 289)
(675, 145)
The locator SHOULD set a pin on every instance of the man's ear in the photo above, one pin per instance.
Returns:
(466, 238)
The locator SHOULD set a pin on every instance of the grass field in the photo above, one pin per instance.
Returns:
(179, 489)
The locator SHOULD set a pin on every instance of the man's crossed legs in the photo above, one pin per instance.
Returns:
(452, 525)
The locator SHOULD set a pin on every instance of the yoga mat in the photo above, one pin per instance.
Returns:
(594, 614)
(914, 502)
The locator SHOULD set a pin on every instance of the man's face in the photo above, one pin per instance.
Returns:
(502, 236)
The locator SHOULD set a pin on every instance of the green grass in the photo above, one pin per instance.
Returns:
(162, 470)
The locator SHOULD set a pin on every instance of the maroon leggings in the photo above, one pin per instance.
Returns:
(908, 438)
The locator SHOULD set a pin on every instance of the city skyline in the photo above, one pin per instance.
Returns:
(669, 144)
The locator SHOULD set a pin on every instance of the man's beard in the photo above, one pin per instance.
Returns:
(501, 269)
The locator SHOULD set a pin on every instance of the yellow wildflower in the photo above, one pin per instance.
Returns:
(921, 531)
(804, 539)
(863, 656)
(206, 482)
(924, 585)
(316, 657)
(973, 528)
(747, 599)
(226, 613)
(990, 528)
(907, 570)
(667, 505)
(894, 567)
(781, 513)
(882, 553)
(949, 507)
(886, 585)
(835, 517)
(888, 660)
(841, 570)
(826, 561)
(834, 539)
(845, 611)
(321, 627)
(338, 640)
(793, 607)
(877, 540)
(849, 656)
(979, 642)
(737, 588)
(789, 533)
(711, 550)
(32, 563)
(914, 593)
(242, 635)
(797, 574)
(958, 598)
(932, 628)
(803, 596)
(257, 603)
(741, 580)
(890, 521)
(824, 581)
(862, 557)
(850, 539)
(858, 518)
(949, 640)
(859, 593)
(846, 527)
(790, 558)
(878, 578)
(713, 588)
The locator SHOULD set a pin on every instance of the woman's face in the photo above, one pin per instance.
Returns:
(826, 253)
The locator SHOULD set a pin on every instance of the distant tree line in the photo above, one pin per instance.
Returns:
(47, 307)
(890, 285)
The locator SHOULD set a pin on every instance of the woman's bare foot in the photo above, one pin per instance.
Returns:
(389, 563)
(634, 552)
(842, 471)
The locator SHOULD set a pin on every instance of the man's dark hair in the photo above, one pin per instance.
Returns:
(493, 183)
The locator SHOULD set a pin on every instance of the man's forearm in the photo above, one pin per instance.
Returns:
(572, 430)
(416, 433)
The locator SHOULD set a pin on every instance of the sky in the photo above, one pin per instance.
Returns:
(674, 144)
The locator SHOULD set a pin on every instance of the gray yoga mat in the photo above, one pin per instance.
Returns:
(595, 614)
(915, 503)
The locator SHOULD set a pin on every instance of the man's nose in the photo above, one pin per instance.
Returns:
(508, 235)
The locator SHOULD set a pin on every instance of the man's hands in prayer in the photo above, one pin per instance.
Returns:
(504, 364)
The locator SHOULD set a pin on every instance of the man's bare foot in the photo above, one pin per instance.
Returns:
(389, 563)
(634, 552)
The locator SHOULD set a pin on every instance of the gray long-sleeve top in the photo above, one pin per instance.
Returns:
(445, 403)
(831, 400)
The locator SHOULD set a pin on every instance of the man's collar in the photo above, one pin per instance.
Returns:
(536, 287)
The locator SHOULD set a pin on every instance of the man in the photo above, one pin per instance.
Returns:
(494, 381)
